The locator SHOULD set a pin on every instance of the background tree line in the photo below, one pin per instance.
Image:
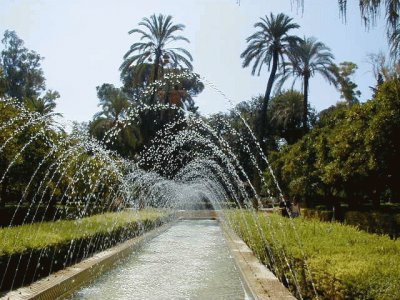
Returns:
(41, 165)
(281, 119)
(31, 133)
(316, 159)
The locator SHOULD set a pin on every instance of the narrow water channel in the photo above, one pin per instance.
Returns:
(188, 261)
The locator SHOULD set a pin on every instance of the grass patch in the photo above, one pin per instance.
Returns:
(39, 235)
(344, 262)
(30, 252)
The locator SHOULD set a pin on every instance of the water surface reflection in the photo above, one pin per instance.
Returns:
(188, 261)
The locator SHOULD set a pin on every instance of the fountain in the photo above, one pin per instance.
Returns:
(76, 179)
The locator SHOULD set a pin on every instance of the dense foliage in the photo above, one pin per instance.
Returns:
(350, 156)
(42, 166)
(24, 144)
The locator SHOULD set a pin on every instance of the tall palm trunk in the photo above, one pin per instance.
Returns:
(263, 122)
(156, 71)
(157, 62)
(305, 103)
(156, 66)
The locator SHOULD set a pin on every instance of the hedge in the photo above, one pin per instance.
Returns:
(25, 215)
(372, 222)
(342, 261)
(322, 215)
(375, 222)
(30, 252)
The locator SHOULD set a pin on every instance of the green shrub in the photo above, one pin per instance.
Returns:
(343, 262)
(30, 252)
(23, 238)
(375, 222)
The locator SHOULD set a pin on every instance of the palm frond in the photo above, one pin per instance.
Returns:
(271, 37)
(155, 32)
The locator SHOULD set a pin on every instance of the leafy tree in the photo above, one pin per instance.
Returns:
(21, 68)
(241, 142)
(382, 68)
(179, 92)
(347, 87)
(332, 115)
(370, 10)
(350, 156)
(24, 150)
(157, 33)
(268, 45)
(382, 139)
(2, 83)
(306, 59)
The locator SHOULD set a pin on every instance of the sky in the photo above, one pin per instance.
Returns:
(83, 42)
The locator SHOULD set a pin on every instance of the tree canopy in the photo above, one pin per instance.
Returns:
(21, 68)
(346, 86)
(350, 156)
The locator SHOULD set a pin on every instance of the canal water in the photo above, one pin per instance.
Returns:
(188, 261)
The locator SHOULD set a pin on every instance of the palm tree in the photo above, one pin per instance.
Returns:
(158, 33)
(286, 115)
(113, 102)
(45, 105)
(114, 105)
(306, 59)
(268, 45)
(286, 109)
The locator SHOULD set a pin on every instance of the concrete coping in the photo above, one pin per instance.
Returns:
(260, 282)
